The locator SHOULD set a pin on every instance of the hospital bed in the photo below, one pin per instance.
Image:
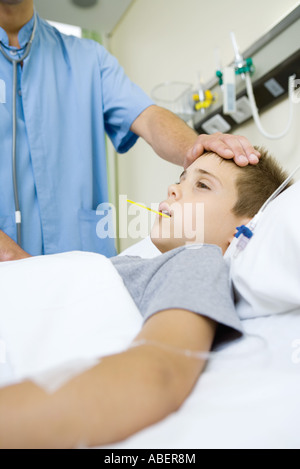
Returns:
(248, 395)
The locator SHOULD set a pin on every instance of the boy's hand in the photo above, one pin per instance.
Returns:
(225, 145)
(9, 250)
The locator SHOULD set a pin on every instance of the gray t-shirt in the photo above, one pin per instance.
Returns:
(194, 278)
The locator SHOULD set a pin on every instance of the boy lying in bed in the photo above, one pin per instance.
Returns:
(184, 296)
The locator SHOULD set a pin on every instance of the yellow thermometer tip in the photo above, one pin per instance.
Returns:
(147, 208)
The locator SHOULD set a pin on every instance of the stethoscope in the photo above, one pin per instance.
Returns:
(15, 62)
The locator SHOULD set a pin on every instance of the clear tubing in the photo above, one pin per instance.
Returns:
(243, 241)
(280, 189)
(238, 58)
(253, 222)
(201, 355)
(52, 380)
(255, 111)
(239, 61)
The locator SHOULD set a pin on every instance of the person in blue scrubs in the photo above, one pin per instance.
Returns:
(70, 93)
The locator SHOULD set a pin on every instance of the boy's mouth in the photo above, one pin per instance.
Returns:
(165, 209)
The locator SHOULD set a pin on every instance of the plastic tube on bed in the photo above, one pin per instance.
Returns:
(53, 379)
(206, 355)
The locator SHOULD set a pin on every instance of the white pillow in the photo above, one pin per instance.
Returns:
(266, 275)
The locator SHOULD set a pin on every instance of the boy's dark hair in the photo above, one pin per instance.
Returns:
(256, 183)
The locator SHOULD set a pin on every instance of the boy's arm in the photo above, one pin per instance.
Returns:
(123, 394)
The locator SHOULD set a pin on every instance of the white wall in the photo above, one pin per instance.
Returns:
(161, 40)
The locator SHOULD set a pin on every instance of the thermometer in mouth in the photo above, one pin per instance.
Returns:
(150, 209)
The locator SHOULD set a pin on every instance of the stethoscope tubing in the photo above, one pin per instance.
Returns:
(15, 62)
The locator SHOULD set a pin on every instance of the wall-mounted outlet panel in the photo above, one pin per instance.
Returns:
(276, 56)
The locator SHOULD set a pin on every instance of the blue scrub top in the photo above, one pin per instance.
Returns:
(70, 92)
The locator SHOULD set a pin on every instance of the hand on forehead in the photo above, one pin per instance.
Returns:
(227, 146)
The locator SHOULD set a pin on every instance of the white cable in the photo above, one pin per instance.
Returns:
(279, 190)
(238, 57)
(262, 345)
(255, 111)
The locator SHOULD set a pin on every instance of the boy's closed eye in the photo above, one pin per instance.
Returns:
(202, 185)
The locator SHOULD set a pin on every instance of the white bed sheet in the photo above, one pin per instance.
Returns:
(60, 313)
(248, 397)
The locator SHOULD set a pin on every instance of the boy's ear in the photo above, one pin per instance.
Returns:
(240, 222)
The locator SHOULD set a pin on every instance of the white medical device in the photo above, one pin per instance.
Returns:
(241, 64)
(15, 61)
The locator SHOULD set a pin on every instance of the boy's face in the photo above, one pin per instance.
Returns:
(200, 206)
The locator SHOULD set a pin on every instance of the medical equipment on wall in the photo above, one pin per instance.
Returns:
(276, 56)
(244, 68)
(182, 98)
(15, 61)
(203, 100)
(231, 98)
(245, 233)
(176, 97)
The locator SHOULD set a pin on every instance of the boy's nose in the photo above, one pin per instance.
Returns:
(174, 191)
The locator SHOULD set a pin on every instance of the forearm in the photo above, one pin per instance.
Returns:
(170, 137)
(125, 393)
(176, 142)
(107, 403)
